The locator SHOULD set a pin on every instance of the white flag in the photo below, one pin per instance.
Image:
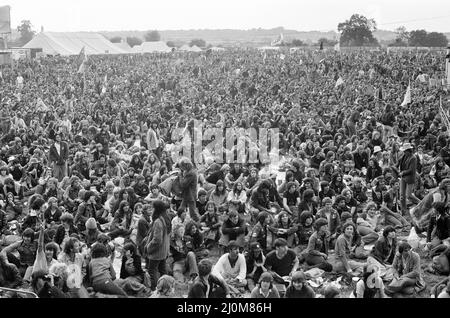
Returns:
(105, 84)
(337, 47)
(407, 98)
(447, 68)
(40, 105)
(277, 41)
(421, 78)
(339, 82)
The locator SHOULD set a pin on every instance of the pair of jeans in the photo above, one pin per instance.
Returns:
(108, 287)
(191, 206)
(153, 267)
(397, 220)
(407, 192)
(188, 265)
(59, 171)
(351, 127)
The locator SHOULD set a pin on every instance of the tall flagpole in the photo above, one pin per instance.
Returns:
(447, 67)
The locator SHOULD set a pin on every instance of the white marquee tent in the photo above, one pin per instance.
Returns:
(71, 43)
(124, 46)
(188, 48)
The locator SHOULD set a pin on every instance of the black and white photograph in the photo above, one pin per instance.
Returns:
(224, 149)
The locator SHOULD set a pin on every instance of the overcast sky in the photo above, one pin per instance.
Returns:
(321, 15)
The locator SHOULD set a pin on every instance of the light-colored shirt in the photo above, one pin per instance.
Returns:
(223, 268)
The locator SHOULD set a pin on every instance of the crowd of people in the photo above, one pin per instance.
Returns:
(91, 175)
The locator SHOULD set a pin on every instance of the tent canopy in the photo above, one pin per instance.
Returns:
(71, 43)
(152, 47)
(124, 46)
(188, 48)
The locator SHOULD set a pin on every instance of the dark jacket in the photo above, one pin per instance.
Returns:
(218, 289)
(382, 252)
(60, 158)
(189, 185)
(233, 230)
(61, 232)
(442, 225)
(408, 168)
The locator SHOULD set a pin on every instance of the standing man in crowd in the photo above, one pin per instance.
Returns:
(408, 169)
(59, 153)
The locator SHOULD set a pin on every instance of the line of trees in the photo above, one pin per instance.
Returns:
(419, 38)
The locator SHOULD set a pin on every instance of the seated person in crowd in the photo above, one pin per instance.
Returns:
(282, 262)
(343, 249)
(299, 288)
(231, 267)
(407, 272)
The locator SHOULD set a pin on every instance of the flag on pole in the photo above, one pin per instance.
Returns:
(337, 47)
(40, 105)
(447, 67)
(339, 82)
(105, 84)
(81, 56)
(278, 41)
(81, 61)
(407, 98)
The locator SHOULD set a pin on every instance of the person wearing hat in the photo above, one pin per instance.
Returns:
(58, 155)
(299, 288)
(232, 267)
(407, 166)
(265, 288)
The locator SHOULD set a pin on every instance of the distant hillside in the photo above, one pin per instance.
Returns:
(248, 37)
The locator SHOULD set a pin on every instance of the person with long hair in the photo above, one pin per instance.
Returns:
(102, 274)
(27, 249)
(133, 279)
(383, 252)
(265, 288)
(219, 195)
(184, 258)
(370, 285)
(317, 250)
(76, 266)
(285, 227)
(188, 182)
(157, 242)
(165, 288)
(238, 196)
(210, 225)
(121, 224)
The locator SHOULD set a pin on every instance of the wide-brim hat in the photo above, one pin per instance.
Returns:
(406, 146)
